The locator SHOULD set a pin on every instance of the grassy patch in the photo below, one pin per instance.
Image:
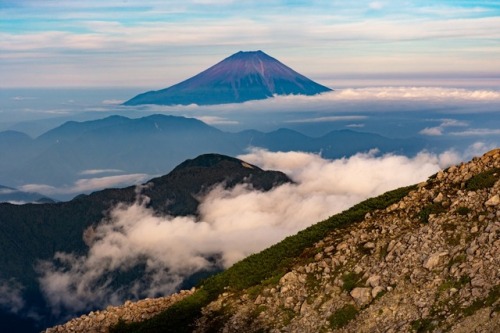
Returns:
(312, 283)
(492, 297)
(457, 284)
(434, 208)
(269, 264)
(350, 281)
(258, 310)
(458, 259)
(384, 251)
(463, 210)
(342, 316)
(483, 180)
(287, 316)
(422, 325)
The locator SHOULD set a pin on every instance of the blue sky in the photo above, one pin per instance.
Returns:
(153, 43)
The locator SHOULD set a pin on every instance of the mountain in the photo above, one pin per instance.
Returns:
(418, 259)
(150, 145)
(154, 145)
(244, 76)
(12, 195)
(33, 232)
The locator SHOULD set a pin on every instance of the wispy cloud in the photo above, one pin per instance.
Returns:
(432, 131)
(215, 120)
(155, 39)
(327, 119)
(438, 130)
(478, 132)
(112, 101)
(11, 295)
(376, 5)
(98, 171)
(87, 184)
(355, 125)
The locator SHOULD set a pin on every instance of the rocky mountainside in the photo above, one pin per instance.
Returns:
(424, 258)
(244, 76)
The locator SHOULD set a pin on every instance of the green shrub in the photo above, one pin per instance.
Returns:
(422, 325)
(463, 210)
(342, 316)
(434, 208)
(483, 180)
(350, 281)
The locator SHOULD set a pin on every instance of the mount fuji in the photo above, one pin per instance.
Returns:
(244, 76)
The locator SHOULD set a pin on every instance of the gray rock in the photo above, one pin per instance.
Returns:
(373, 281)
(362, 296)
(433, 260)
(493, 201)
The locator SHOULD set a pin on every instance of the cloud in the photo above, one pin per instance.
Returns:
(214, 120)
(98, 171)
(477, 132)
(376, 5)
(438, 130)
(11, 295)
(477, 149)
(351, 100)
(327, 119)
(232, 224)
(112, 101)
(87, 184)
(23, 98)
(417, 93)
(432, 131)
(355, 125)
(155, 40)
(8, 190)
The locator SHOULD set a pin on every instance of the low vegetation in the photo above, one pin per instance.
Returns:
(422, 325)
(434, 208)
(266, 265)
(342, 316)
(463, 210)
(350, 281)
(483, 180)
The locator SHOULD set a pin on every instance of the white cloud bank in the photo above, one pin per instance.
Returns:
(350, 100)
(231, 225)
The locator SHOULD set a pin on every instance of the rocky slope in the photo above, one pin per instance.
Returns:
(429, 262)
(100, 321)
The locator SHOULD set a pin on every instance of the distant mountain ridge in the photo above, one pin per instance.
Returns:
(12, 195)
(156, 144)
(243, 76)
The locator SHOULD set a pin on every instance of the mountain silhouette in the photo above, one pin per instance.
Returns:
(33, 232)
(154, 145)
(12, 195)
(244, 76)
